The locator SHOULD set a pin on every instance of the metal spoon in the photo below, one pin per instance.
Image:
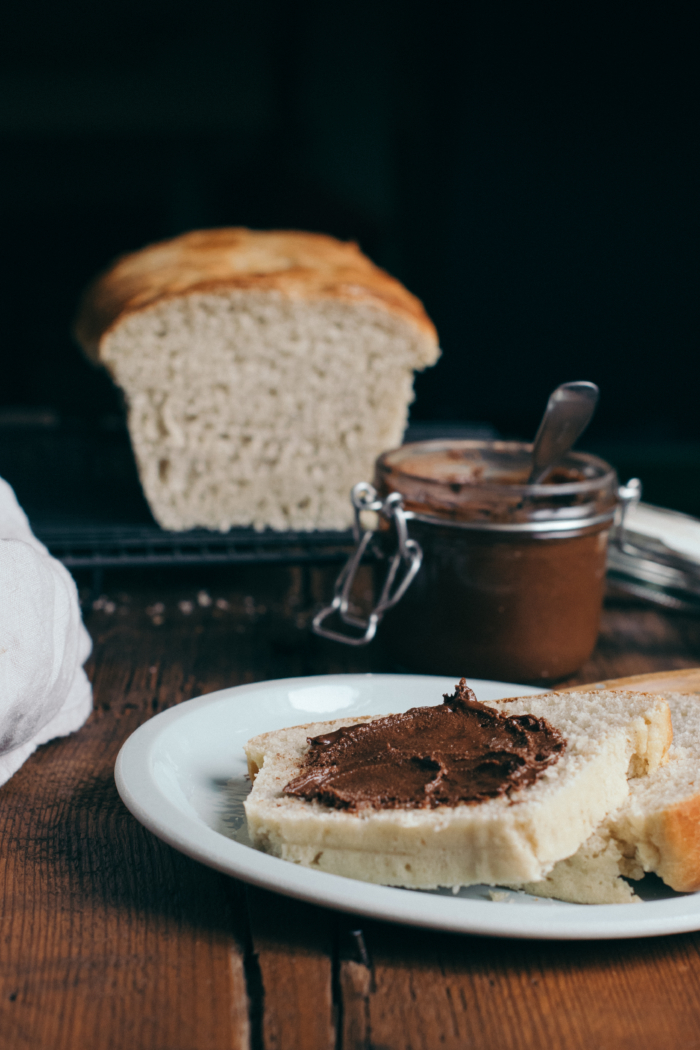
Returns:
(568, 413)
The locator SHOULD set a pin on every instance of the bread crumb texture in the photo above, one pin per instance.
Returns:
(263, 373)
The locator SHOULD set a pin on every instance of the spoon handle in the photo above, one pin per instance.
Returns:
(568, 413)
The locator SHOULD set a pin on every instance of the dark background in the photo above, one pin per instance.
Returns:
(529, 170)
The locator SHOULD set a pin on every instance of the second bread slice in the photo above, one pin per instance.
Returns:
(657, 828)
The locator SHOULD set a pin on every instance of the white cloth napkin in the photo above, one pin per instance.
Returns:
(44, 691)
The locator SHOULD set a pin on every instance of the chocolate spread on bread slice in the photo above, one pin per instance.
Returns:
(458, 752)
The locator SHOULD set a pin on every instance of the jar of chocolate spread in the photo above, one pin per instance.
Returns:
(510, 584)
(512, 578)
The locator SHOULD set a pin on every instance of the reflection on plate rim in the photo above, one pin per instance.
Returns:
(189, 834)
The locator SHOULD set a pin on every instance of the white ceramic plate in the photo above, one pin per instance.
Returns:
(183, 776)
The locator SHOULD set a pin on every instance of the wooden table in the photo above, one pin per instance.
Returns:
(110, 939)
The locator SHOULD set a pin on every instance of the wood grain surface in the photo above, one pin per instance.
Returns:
(110, 939)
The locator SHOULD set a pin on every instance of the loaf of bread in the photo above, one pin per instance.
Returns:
(657, 829)
(263, 373)
(609, 735)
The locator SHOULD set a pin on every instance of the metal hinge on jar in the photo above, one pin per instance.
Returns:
(408, 556)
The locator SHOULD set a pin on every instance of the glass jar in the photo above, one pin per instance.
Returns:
(512, 577)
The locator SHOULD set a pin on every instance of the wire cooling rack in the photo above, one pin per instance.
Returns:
(147, 546)
(97, 548)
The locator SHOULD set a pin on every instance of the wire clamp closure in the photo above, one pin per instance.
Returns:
(408, 555)
(629, 496)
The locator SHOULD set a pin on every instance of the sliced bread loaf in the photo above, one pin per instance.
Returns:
(657, 829)
(264, 372)
(608, 736)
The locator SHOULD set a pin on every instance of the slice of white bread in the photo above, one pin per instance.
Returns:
(264, 372)
(657, 829)
(609, 736)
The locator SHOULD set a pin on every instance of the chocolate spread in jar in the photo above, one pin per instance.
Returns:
(512, 608)
(458, 752)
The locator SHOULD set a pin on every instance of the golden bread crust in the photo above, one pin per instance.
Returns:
(679, 846)
(297, 265)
